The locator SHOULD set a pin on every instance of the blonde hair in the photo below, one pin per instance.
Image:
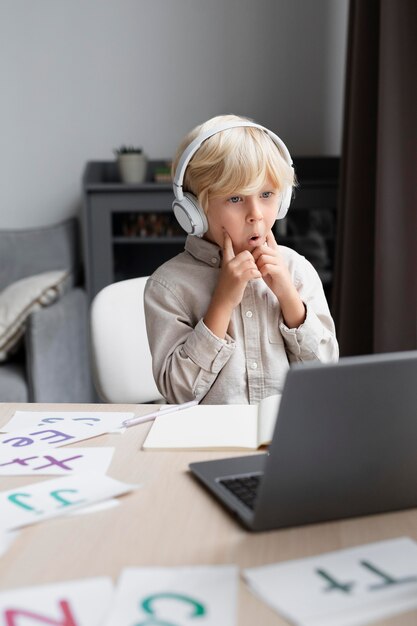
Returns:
(237, 160)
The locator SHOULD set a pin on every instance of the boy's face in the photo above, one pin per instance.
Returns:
(247, 219)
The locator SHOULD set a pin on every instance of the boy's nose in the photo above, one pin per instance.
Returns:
(254, 213)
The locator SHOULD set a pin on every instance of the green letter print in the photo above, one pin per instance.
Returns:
(198, 609)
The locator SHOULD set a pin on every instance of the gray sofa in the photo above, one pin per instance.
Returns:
(52, 363)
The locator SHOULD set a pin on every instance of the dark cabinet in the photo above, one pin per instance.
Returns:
(129, 230)
(310, 225)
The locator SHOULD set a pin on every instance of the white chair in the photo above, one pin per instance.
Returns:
(122, 365)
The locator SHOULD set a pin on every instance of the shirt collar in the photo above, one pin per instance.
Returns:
(204, 250)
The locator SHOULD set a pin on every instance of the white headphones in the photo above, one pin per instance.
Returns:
(186, 207)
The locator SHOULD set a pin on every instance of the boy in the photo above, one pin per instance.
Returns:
(227, 316)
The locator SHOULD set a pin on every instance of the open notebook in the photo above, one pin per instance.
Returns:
(211, 427)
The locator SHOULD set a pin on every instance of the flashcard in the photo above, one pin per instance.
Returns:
(73, 603)
(47, 436)
(60, 461)
(6, 540)
(343, 588)
(96, 508)
(109, 421)
(178, 596)
(35, 502)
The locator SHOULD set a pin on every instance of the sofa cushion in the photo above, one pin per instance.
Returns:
(13, 386)
(35, 250)
(20, 299)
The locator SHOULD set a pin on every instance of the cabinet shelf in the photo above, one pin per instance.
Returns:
(129, 229)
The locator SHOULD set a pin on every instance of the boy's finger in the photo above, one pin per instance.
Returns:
(228, 252)
(270, 240)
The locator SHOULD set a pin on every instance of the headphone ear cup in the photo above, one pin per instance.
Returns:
(190, 215)
(285, 202)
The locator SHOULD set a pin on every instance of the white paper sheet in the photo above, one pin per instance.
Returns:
(47, 437)
(81, 602)
(110, 421)
(33, 503)
(183, 596)
(57, 462)
(344, 588)
(6, 540)
(96, 508)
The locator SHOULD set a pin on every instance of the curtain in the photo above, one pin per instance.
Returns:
(375, 284)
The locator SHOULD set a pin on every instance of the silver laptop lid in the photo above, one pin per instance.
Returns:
(345, 442)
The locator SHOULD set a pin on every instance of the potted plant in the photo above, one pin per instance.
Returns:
(132, 164)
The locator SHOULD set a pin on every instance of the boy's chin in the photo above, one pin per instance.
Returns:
(252, 245)
(248, 245)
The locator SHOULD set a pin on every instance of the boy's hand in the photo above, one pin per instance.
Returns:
(272, 266)
(235, 273)
(275, 273)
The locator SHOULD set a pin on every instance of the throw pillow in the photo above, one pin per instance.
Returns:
(20, 299)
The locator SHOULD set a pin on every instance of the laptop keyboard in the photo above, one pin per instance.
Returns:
(243, 487)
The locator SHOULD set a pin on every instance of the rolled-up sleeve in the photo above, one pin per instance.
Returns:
(186, 355)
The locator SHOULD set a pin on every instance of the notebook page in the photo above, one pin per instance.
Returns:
(206, 427)
(268, 411)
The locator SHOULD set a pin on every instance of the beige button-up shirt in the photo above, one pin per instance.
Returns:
(251, 363)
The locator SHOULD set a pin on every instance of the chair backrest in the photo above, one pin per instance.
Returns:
(122, 364)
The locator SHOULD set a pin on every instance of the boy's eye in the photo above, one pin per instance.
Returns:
(234, 199)
(266, 194)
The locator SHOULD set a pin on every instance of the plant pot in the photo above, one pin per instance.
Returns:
(132, 167)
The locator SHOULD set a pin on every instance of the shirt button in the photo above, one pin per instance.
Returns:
(249, 313)
(254, 365)
(214, 260)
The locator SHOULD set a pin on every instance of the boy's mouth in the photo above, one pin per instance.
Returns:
(254, 240)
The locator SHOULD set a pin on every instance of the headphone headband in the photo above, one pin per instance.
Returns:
(196, 143)
(186, 207)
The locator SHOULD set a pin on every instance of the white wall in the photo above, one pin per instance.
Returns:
(81, 77)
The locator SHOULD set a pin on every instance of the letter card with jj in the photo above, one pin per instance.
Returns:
(6, 540)
(35, 502)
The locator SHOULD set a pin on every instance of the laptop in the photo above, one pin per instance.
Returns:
(344, 445)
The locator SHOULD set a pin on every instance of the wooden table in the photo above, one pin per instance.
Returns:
(170, 521)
